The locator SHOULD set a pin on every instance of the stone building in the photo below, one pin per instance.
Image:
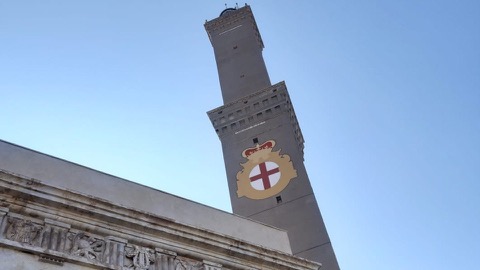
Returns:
(55, 214)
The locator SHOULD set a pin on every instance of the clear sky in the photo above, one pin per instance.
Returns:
(387, 94)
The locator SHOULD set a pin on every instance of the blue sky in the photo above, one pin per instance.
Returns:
(387, 94)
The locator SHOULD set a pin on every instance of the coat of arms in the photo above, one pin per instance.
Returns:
(266, 173)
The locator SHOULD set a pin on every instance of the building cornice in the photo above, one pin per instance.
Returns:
(46, 211)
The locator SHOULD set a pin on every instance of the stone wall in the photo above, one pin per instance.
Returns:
(59, 173)
(47, 227)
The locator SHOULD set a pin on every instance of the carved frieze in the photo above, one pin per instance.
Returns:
(187, 264)
(87, 247)
(60, 227)
(54, 235)
(23, 230)
(165, 260)
(111, 252)
(140, 258)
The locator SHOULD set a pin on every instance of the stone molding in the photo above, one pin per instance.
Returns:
(61, 226)
(283, 103)
(281, 86)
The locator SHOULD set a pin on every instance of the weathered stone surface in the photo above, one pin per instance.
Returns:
(45, 225)
(16, 260)
(63, 174)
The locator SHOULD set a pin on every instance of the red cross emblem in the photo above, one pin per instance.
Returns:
(269, 174)
(266, 173)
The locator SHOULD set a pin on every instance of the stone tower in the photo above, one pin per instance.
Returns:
(261, 140)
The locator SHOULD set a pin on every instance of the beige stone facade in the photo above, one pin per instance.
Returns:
(50, 224)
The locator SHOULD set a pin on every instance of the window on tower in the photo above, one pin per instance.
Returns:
(279, 199)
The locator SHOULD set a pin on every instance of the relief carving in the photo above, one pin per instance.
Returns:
(87, 247)
(184, 264)
(84, 245)
(141, 257)
(23, 231)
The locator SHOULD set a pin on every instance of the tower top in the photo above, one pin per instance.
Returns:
(230, 17)
(238, 46)
(226, 11)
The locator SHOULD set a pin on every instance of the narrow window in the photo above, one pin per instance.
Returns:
(279, 199)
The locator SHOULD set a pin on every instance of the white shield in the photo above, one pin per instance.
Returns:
(264, 175)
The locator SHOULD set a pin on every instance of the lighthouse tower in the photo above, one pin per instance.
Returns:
(261, 140)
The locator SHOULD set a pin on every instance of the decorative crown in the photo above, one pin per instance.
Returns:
(266, 145)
